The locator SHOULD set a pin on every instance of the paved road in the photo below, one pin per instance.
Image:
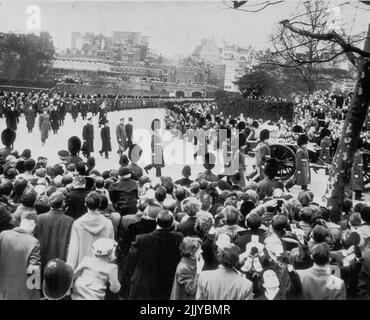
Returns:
(177, 152)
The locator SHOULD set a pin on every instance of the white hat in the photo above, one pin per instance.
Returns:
(104, 247)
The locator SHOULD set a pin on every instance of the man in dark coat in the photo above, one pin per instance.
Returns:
(75, 201)
(105, 140)
(53, 230)
(88, 137)
(30, 115)
(121, 136)
(54, 119)
(153, 259)
(74, 110)
(129, 130)
(84, 109)
(62, 110)
(12, 118)
(124, 193)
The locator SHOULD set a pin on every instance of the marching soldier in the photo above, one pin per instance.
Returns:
(325, 146)
(302, 175)
(262, 154)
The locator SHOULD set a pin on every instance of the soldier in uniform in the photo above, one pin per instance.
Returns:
(262, 154)
(208, 163)
(7, 138)
(88, 137)
(74, 147)
(325, 145)
(357, 173)
(302, 176)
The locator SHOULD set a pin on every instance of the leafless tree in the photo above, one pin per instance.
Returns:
(334, 38)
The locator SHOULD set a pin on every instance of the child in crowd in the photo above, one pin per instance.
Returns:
(93, 274)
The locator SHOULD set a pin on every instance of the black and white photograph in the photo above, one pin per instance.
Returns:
(185, 151)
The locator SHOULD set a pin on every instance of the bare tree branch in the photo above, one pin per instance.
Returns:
(263, 4)
(331, 37)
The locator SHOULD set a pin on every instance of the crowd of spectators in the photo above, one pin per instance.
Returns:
(120, 234)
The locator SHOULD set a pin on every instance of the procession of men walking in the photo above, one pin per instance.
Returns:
(52, 112)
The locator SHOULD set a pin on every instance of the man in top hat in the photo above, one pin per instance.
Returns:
(121, 136)
(54, 119)
(74, 110)
(84, 109)
(12, 117)
(88, 137)
(129, 131)
(105, 139)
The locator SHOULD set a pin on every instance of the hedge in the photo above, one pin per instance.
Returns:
(28, 83)
(235, 104)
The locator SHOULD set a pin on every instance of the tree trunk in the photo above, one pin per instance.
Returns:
(341, 167)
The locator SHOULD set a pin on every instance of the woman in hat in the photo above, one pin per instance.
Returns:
(93, 274)
(44, 124)
(105, 139)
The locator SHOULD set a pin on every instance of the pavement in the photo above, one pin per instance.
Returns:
(178, 152)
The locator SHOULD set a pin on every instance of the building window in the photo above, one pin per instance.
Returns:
(165, 71)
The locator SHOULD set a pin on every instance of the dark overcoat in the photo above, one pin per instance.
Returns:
(88, 136)
(153, 259)
(105, 139)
